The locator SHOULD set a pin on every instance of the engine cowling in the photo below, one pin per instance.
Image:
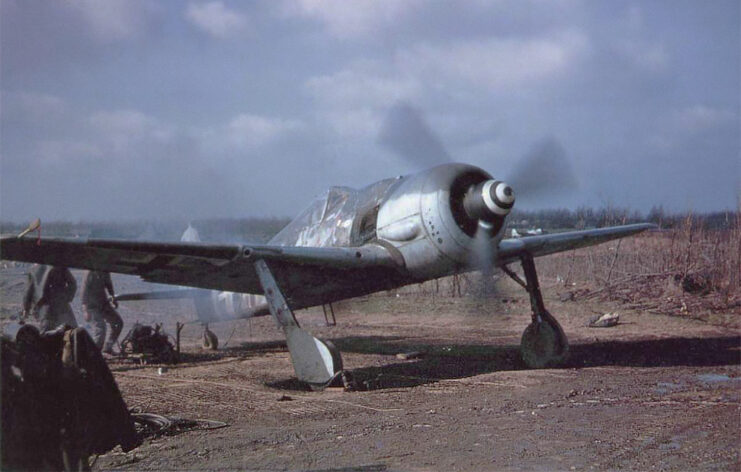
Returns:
(432, 217)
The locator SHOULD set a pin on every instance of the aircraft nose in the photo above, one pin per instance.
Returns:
(489, 200)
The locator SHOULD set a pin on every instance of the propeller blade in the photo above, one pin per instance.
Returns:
(544, 171)
(482, 255)
(406, 132)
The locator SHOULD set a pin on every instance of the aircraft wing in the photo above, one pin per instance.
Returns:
(542, 245)
(302, 271)
(308, 275)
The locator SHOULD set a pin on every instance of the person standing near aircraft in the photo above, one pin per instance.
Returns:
(49, 292)
(98, 310)
(34, 284)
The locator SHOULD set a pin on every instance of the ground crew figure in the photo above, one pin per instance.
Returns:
(48, 296)
(98, 311)
(34, 287)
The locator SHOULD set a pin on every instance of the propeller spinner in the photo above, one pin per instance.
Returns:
(489, 201)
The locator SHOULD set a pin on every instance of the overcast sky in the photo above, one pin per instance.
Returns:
(137, 108)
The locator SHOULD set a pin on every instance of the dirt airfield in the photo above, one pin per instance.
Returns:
(653, 393)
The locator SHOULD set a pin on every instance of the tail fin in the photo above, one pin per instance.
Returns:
(190, 235)
(202, 299)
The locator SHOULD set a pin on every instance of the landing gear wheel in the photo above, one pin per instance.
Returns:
(210, 341)
(544, 344)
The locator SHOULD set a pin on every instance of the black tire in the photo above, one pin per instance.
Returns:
(544, 344)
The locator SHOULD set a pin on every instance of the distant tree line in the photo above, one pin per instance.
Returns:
(253, 230)
(260, 230)
(587, 217)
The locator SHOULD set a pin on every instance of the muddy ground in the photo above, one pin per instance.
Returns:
(654, 392)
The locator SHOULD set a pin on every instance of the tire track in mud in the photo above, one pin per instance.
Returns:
(192, 394)
(231, 397)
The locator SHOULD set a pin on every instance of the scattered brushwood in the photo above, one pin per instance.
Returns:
(151, 425)
(687, 270)
(149, 344)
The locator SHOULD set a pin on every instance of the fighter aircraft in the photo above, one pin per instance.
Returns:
(445, 220)
(441, 221)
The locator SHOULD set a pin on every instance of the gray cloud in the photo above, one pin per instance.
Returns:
(224, 108)
(38, 38)
(216, 19)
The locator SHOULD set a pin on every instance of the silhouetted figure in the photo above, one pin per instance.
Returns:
(34, 287)
(98, 311)
(49, 292)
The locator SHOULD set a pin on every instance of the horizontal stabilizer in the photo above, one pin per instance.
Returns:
(176, 294)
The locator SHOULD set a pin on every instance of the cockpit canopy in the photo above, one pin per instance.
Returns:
(341, 216)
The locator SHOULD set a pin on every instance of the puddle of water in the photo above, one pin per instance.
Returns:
(675, 442)
(670, 446)
(714, 378)
(666, 387)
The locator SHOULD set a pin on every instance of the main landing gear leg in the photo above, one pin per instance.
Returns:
(315, 362)
(543, 343)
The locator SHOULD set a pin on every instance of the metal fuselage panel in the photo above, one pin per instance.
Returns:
(212, 305)
(414, 215)
(416, 218)
(223, 306)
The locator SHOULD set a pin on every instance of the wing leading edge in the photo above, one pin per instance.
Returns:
(201, 265)
(309, 275)
(542, 245)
